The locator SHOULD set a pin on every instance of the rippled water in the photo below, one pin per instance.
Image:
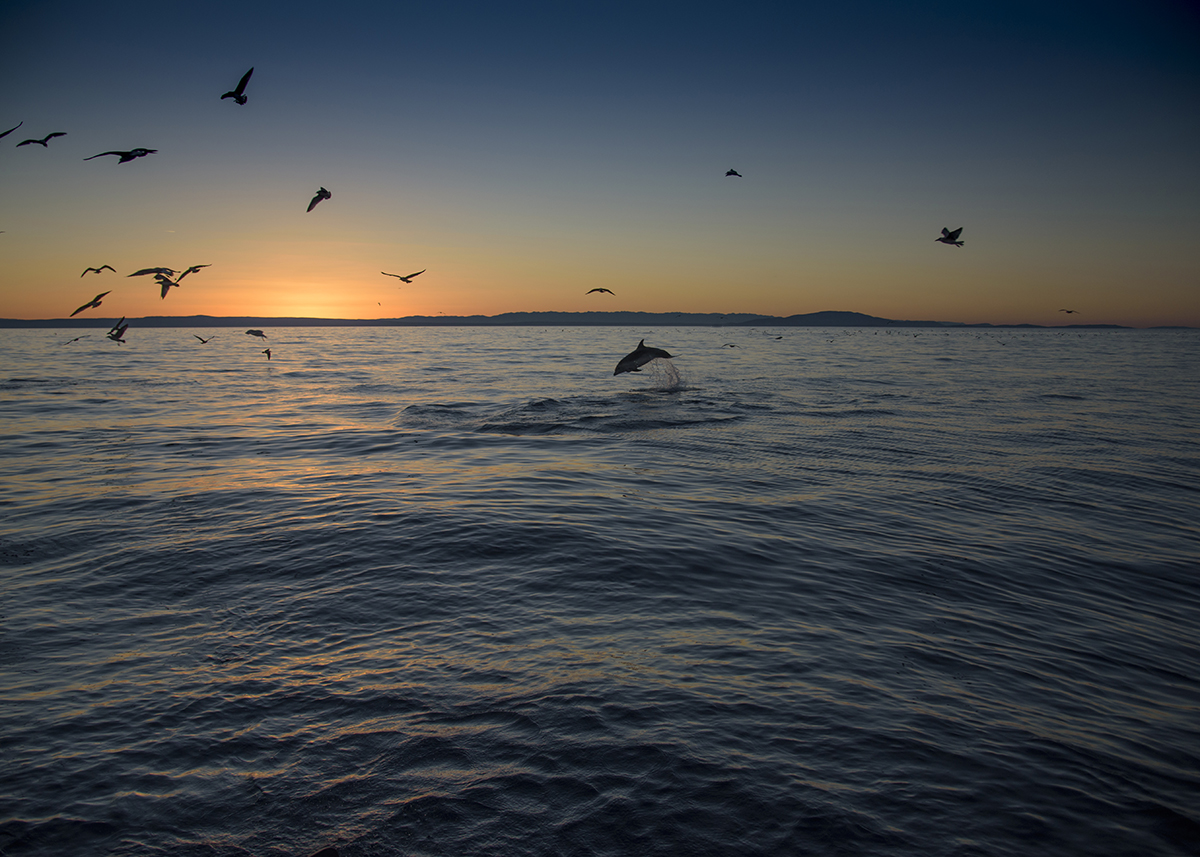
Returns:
(462, 592)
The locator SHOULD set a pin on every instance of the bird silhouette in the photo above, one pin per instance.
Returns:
(192, 270)
(202, 340)
(126, 156)
(266, 351)
(608, 291)
(44, 142)
(98, 270)
(321, 194)
(949, 237)
(257, 333)
(1069, 311)
(238, 93)
(733, 173)
(10, 130)
(166, 283)
(93, 302)
(170, 272)
(405, 278)
(117, 334)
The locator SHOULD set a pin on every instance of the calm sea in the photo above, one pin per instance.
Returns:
(462, 592)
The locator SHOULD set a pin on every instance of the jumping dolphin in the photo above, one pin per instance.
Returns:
(639, 357)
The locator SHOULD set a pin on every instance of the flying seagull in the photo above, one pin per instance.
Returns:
(321, 194)
(98, 270)
(76, 339)
(126, 156)
(266, 351)
(192, 270)
(93, 302)
(405, 278)
(202, 340)
(170, 272)
(44, 142)
(639, 357)
(1068, 311)
(733, 173)
(118, 332)
(257, 333)
(14, 128)
(607, 291)
(949, 237)
(238, 93)
(166, 283)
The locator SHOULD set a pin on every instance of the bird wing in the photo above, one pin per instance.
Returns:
(110, 267)
(953, 236)
(386, 274)
(14, 128)
(55, 134)
(96, 299)
(27, 142)
(422, 271)
(81, 309)
(88, 270)
(241, 87)
(102, 154)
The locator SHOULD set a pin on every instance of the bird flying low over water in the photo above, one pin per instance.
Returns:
(321, 194)
(733, 173)
(608, 291)
(949, 237)
(238, 92)
(202, 339)
(117, 333)
(13, 128)
(257, 333)
(126, 156)
(404, 278)
(98, 270)
(639, 357)
(93, 302)
(44, 142)
(266, 351)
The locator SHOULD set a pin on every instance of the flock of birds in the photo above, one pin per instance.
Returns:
(163, 276)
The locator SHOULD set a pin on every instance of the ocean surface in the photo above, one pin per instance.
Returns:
(461, 591)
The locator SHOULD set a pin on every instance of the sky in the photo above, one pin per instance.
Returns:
(525, 153)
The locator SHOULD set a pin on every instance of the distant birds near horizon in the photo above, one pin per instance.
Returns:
(87, 271)
(733, 173)
(1069, 311)
(949, 237)
(94, 302)
(404, 278)
(608, 291)
(44, 142)
(321, 194)
(238, 92)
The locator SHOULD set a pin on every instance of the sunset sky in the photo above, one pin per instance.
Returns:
(524, 153)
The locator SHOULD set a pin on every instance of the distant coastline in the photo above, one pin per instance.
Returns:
(827, 318)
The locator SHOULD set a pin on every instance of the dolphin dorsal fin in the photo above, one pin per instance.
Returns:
(642, 344)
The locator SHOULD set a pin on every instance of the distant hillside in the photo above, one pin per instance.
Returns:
(828, 318)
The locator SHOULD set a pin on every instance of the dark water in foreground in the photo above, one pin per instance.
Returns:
(462, 592)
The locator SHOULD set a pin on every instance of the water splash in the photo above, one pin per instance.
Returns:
(665, 376)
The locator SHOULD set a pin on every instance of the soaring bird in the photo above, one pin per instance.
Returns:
(14, 128)
(238, 92)
(93, 302)
(733, 173)
(98, 270)
(321, 194)
(126, 156)
(191, 270)
(76, 339)
(606, 291)
(118, 332)
(266, 351)
(257, 333)
(949, 237)
(166, 283)
(1069, 311)
(170, 272)
(404, 278)
(202, 339)
(44, 142)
